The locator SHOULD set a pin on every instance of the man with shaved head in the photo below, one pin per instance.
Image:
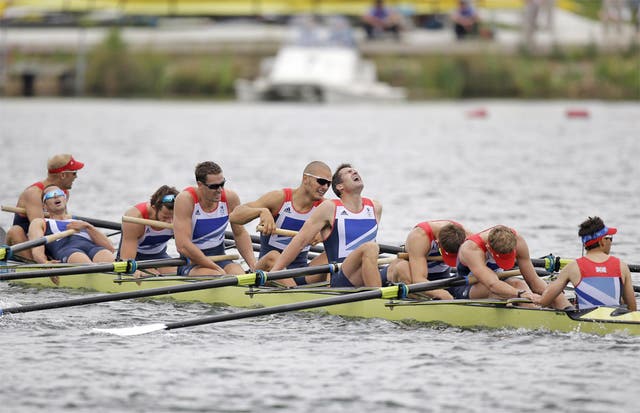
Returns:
(287, 209)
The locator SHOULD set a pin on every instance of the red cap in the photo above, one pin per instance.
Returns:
(449, 258)
(505, 261)
(72, 165)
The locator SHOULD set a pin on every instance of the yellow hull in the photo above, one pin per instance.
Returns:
(460, 313)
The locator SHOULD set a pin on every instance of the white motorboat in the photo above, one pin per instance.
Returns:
(321, 64)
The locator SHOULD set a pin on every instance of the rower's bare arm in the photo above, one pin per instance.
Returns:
(523, 260)
(33, 203)
(555, 288)
(628, 295)
(183, 208)
(240, 234)
(417, 246)
(131, 233)
(319, 219)
(264, 208)
(96, 235)
(477, 264)
(36, 230)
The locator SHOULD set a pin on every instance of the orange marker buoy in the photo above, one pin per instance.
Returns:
(577, 113)
(477, 113)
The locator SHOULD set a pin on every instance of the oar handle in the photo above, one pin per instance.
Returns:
(93, 221)
(150, 222)
(279, 231)
(405, 256)
(217, 258)
(41, 241)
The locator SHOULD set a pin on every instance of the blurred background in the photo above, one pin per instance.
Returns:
(415, 50)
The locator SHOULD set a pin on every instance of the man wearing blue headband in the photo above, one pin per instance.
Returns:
(598, 278)
(86, 246)
(146, 242)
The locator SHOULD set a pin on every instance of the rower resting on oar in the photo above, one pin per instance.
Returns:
(491, 251)
(430, 240)
(86, 246)
(598, 278)
(148, 242)
(287, 209)
(348, 227)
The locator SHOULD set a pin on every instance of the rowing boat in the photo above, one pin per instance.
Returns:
(459, 313)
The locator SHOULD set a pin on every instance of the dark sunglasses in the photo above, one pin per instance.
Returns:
(215, 186)
(610, 238)
(320, 181)
(74, 173)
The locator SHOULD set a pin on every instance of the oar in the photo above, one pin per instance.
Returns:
(93, 221)
(554, 264)
(392, 292)
(150, 222)
(123, 267)
(385, 249)
(7, 252)
(256, 278)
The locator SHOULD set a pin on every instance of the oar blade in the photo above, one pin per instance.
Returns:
(131, 331)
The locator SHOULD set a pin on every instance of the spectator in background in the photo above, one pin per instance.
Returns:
(381, 19)
(465, 20)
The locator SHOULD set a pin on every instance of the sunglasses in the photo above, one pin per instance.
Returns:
(320, 181)
(609, 238)
(54, 194)
(215, 186)
(168, 199)
(74, 173)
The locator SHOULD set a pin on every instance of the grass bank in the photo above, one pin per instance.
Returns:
(587, 73)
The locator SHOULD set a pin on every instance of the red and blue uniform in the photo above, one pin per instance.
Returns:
(600, 283)
(153, 243)
(290, 219)
(208, 228)
(62, 249)
(437, 269)
(350, 230)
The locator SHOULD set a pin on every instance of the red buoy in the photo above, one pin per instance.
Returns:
(477, 113)
(577, 113)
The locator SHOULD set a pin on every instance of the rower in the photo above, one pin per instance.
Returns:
(61, 172)
(491, 251)
(287, 209)
(146, 242)
(200, 218)
(348, 227)
(86, 246)
(438, 241)
(598, 278)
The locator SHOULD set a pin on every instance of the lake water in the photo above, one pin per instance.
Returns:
(526, 165)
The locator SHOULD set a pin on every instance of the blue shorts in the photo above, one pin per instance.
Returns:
(76, 244)
(460, 292)
(159, 256)
(340, 280)
(186, 269)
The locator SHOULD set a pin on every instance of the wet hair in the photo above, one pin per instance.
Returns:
(590, 226)
(451, 236)
(336, 179)
(156, 198)
(207, 168)
(502, 239)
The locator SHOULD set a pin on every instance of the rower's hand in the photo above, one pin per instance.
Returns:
(317, 239)
(267, 223)
(535, 298)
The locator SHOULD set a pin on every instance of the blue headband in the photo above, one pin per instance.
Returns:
(595, 235)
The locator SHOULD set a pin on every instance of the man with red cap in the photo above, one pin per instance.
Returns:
(432, 248)
(61, 172)
(495, 249)
(598, 278)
